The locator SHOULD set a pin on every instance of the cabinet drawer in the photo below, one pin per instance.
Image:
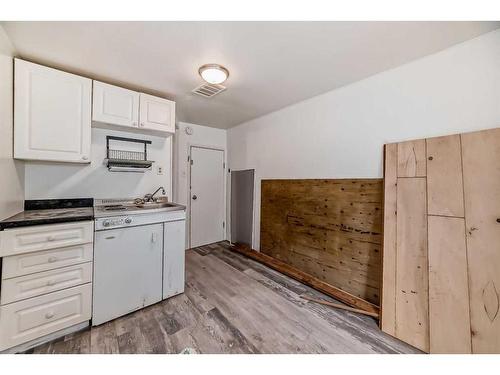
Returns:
(36, 317)
(23, 287)
(44, 237)
(24, 264)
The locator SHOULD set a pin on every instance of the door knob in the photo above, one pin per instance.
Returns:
(195, 197)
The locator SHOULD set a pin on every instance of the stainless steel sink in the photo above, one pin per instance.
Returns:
(151, 205)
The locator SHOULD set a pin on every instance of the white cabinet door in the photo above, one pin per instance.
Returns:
(127, 270)
(39, 316)
(157, 114)
(52, 114)
(115, 105)
(174, 252)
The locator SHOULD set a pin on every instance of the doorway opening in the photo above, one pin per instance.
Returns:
(242, 198)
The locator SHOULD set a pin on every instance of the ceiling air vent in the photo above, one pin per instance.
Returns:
(207, 90)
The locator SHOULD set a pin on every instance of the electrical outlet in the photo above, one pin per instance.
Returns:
(159, 170)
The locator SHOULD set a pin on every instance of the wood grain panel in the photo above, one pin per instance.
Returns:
(330, 229)
(481, 168)
(411, 159)
(449, 321)
(412, 320)
(444, 176)
(388, 295)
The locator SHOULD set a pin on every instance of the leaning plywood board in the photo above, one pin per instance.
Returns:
(412, 314)
(449, 322)
(481, 164)
(330, 229)
(444, 176)
(388, 297)
(307, 279)
(411, 159)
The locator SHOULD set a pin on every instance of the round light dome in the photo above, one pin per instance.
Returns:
(213, 73)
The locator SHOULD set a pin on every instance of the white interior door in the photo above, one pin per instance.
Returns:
(207, 196)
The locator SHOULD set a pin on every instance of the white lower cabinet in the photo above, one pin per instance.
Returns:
(174, 235)
(32, 318)
(46, 282)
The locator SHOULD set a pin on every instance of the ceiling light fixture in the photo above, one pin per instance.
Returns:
(213, 73)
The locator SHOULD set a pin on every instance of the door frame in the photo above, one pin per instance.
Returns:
(188, 208)
(230, 192)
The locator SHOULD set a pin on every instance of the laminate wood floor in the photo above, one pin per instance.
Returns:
(233, 305)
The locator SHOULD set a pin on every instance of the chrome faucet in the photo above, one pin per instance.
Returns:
(149, 197)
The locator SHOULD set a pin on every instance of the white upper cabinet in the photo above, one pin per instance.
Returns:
(52, 114)
(156, 114)
(121, 109)
(115, 105)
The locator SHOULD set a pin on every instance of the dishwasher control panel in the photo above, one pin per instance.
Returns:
(115, 222)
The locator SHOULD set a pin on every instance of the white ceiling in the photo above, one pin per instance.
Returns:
(271, 64)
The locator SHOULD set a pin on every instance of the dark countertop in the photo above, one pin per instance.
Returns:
(51, 211)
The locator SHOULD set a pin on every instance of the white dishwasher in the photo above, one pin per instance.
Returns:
(139, 252)
(127, 270)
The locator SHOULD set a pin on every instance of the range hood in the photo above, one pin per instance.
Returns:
(127, 161)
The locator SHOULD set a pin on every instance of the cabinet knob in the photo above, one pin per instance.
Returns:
(498, 220)
(50, 238)
(134, 123)
(49, 315)
(85, 157)
(51, 282)
(52, 259)
(141, 124)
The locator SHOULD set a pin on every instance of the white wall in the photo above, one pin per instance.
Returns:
(11, 172)
(202, 136)
(341, 134)
(65, 180)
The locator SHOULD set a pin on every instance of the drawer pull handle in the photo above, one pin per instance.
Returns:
(52, 259)
(51, 282)
(49, 315)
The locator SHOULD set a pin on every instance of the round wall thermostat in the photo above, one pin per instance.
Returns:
(188, 130)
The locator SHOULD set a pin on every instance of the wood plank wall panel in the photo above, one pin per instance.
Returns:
(462, 181)
(481, 167)
(331, 229)
(388, 295)
(444, 176)
(411, 159)
(449, 321)
(412, 312)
